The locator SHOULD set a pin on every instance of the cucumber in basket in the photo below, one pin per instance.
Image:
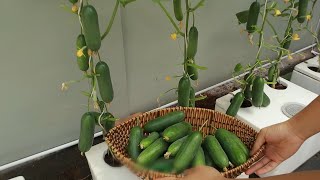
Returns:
(162, 165)
(146, 142)
(176, 131)
(153, 152)
(199, 158)
(216, 152)
(174, 148)
(236, 151)
(135, 137)
(160, 123)
(187, 152)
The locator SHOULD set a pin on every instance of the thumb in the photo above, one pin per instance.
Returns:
(261, 139)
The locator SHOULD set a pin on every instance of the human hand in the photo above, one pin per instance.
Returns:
(280, 141)
(199, 172)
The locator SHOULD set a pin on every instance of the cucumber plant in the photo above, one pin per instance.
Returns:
(294, 13)
(189, 33)
(95, 70)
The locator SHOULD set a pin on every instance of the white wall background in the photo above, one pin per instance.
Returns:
(37, 46)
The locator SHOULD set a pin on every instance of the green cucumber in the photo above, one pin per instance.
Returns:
(162, 165)
(177, 10)
(104, 81)
(271, 72)
(86, 132)
(192, 101)
(216, 152)
(199, 158)
(302, 10)
(247, 92)
(174, 148)
(208, 159)
(193, 72)
(146, 142)
(287, 40)
(82, 61)
(235, 104)
(176, 131)
(187, 152)
(235, 138)
(160, 123)
(266, 100)
(192, 43)
(90, 25)
(257, 91)
(253, 16)
(235, 152)
(184, 91)
(153, 152)
(135, 137)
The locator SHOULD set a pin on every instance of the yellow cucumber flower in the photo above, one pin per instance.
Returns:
(74, 8)
(295, 37)
(173, 36)
(308, 17)
(277, 12)
(80, 53)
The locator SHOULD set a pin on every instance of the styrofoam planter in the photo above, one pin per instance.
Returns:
(305, 77)
(259, 118)
(102, 171)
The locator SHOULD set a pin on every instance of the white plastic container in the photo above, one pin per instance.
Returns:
(305, 77)
(101, 170)
(259, 118)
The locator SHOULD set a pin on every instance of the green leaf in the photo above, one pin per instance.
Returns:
(242, 16)
(197, 66)
(86, 93)
(200, 98)
(125, 2)
(238, 68)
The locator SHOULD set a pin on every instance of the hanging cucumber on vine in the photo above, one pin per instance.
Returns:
(190, 46)
(98, 74)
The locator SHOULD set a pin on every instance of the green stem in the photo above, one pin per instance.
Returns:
(116, 7)
(186, 35)
(196, 6)
(170, 18)
(262, 28)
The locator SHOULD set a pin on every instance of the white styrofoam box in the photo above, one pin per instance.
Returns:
(101, 170)
(259, 118)
(305, 77)
(17, 178)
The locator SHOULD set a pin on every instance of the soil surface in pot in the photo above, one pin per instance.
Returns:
(279, 86)
(246, 103)
(315, 69)
(108, 158)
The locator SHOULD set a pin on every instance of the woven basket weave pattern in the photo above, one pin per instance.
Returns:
(209, 120)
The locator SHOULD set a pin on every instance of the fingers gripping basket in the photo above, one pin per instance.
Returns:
(118, 137)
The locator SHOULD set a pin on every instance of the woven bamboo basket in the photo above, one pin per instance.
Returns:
(117, 138)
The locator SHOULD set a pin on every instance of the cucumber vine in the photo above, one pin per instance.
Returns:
(97, 73)
(297, 17)
(186, 96)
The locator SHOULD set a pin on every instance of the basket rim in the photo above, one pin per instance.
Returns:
(246, 165)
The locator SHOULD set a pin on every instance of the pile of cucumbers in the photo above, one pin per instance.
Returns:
(172, 147)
